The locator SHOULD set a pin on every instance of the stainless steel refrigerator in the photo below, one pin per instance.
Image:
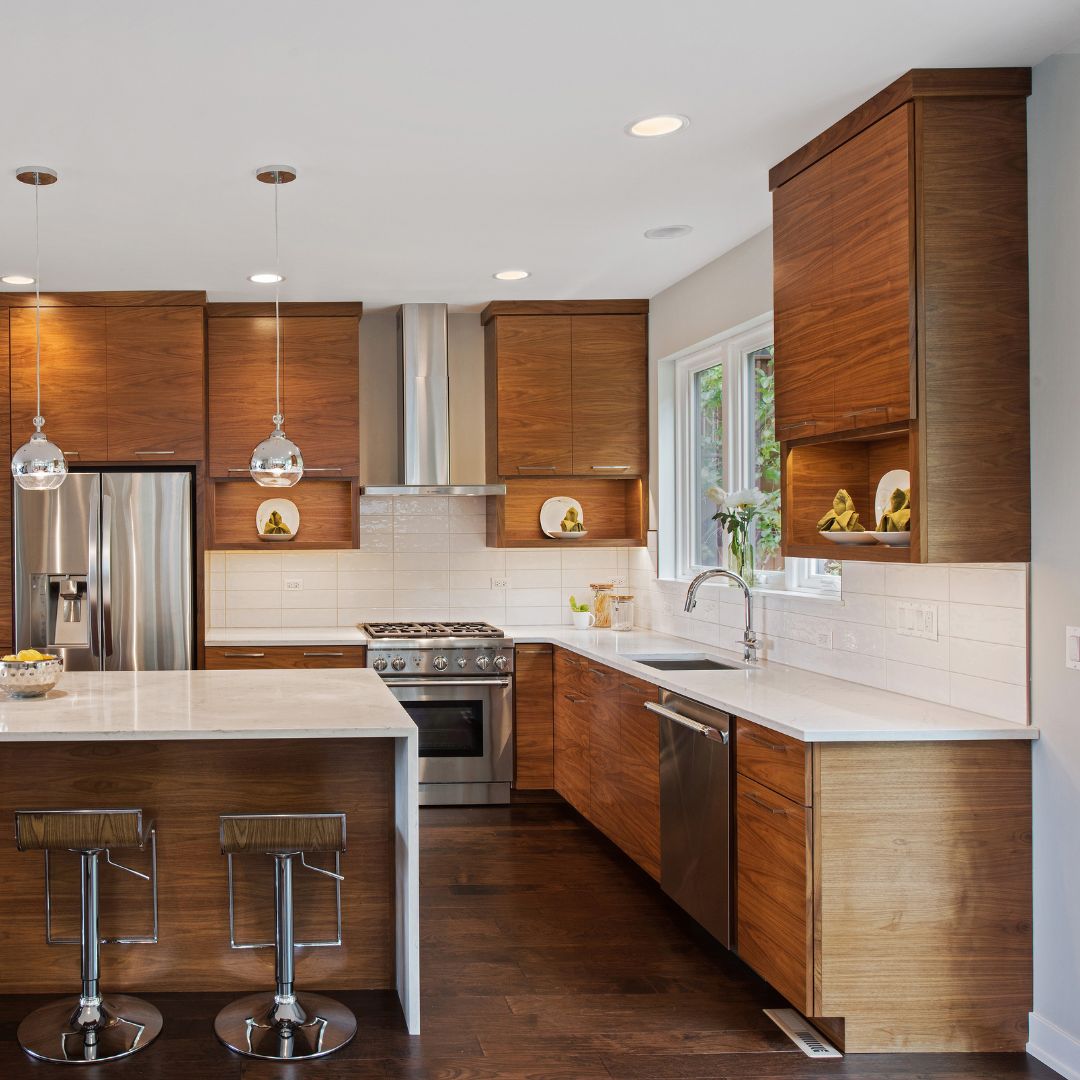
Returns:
(104, 571)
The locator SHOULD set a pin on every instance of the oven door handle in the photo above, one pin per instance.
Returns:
(447, 682)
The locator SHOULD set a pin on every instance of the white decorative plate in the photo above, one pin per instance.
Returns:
(893, 539)
(552, 513)
(850, 537)
(897, 478)
(287, 518)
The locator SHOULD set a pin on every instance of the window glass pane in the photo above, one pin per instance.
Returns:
(765, 457)
(708, 465)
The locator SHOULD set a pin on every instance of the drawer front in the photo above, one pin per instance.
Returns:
(774, 913)
(533, 718)
(571, 672)
(219, 657)
(777, 761)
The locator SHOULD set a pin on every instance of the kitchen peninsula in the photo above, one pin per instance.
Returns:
(185, 747)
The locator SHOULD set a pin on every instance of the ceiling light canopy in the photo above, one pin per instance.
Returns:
(17, 279)
(649, 127)
(266, 279)
(511, 275)
(668, 232)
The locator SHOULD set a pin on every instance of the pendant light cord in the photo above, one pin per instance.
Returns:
(37, 299)
(277, 307)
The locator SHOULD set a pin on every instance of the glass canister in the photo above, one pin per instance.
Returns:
(602, 603)
(622, 612)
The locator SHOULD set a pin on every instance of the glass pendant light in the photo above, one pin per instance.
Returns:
(276, 461)
(38, 465)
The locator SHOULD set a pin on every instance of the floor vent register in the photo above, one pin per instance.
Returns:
(802, 1033)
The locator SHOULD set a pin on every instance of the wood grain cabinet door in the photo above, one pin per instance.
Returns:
(803, 301)
(73, 379)
(241, 390)
(774, 906)
(639, 774)
(156, 384)
(571, 745)
(533, 718)
(610, 395)
(322, 392)
(258, 658)
(873, 273)
(533, 395)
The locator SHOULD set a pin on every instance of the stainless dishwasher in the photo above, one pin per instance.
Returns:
(695, 792)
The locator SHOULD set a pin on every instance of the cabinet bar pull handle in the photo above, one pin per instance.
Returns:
(765, 806)
(244, 655)
(323, 468)
(868, 409)
(609, 468)
(574, 700)
(154, 453)
(602, 674)
(796, 424)
(536, 468)
(755, 738)
(239, 469)
(324, 654)
(72, 453)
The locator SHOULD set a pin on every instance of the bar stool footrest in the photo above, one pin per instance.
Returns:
(314, 1027)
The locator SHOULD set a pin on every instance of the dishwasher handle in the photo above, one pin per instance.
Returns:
(677, 718)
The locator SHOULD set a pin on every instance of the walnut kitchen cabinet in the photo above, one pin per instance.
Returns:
(534, 719)
(572, 732)
(261, 657)
(320, 356)
(122, 374)
(885, 888)
(7, 615)
(900, 344)
(639, 773)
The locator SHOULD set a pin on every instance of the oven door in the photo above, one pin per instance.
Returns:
(465, 727)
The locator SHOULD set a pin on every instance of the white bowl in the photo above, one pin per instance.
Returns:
(29, 678)
(850, 537)
(569, 535)
(893, 539)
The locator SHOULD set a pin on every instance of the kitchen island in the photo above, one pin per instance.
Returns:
(185, 747)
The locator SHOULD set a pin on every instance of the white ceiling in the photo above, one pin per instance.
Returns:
(438, 142)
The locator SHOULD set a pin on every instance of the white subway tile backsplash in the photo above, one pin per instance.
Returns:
(534, 579)
(236, 561)
(427, 542)
(349, 561)
(365, 598)
(311, 579)
(979, 622)
(493, 560)
(421, 523)
(917, 582)
(366, 579)
(309, 617)
(1004, 700)
(533, 560)
(246, 617)
(417, 580)
(917, 681)
(429, 505)
(421, 560)
(1005, 663)
(988, 585)
(294, 561)
(310, 598)
(252, 599)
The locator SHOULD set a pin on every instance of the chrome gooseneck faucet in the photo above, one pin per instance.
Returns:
(749, 638)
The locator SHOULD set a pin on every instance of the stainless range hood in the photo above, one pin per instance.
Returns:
(425, 449)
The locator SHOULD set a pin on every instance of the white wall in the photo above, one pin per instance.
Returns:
(1054, 161)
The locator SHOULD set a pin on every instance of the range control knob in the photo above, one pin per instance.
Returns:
(379, 664)
(482, 662)
(398, 663)
(500, 662)
(439, 663)
(462, 662)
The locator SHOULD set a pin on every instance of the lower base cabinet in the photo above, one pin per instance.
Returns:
(885, 888)
(220, 657)
(607, 754)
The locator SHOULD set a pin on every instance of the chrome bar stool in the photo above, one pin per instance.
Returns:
(92, 1028)
(284, 1025)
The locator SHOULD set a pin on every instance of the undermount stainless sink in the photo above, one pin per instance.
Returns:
(683, 662)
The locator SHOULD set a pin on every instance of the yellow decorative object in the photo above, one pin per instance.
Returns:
(29, 656)
(571, 522)
(843, 516)
(275, 525)
(897, 516)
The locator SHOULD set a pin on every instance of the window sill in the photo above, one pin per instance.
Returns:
(831, 597)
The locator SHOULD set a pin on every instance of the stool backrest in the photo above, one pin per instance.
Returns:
(78, 830)
(271, 834)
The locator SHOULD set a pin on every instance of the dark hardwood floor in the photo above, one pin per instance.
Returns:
(546, 956)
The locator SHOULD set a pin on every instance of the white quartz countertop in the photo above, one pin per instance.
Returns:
(807, 706)
(156, 705)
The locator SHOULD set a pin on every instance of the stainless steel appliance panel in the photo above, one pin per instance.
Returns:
(695, 804)
(56, 542)
(146, 571)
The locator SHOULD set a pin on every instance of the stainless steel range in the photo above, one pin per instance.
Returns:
(455, 679)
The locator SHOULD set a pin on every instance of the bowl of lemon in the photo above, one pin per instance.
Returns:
(29, 673)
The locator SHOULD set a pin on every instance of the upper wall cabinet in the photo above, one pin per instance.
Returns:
(320, 392)
(122, 374)
(901, 310)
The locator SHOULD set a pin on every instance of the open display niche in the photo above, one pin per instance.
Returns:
(328, 514)
(614, 511)
(813, 471)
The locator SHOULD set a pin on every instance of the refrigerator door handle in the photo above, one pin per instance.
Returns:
(93, 589)
(106, 574)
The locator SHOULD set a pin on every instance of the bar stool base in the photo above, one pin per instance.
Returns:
(126, 1024)
(257, 1027)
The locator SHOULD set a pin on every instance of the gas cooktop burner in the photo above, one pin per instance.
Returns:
(430, 630)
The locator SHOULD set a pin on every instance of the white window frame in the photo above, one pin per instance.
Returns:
(732, 350)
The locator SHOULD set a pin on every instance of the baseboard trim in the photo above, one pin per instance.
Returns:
(1054, 1046)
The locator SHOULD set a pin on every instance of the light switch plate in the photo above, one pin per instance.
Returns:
(294, 584)
(916, 618)
(1072, 647)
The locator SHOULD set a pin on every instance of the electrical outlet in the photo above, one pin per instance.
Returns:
(498, 583)
(1072, 647)
(914, 618)
(294, 584)
(619, 582)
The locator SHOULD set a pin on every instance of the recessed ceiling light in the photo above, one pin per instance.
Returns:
(17, 279)
(668, 232)
(266, 279)
(649, 127)
(511, 275)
